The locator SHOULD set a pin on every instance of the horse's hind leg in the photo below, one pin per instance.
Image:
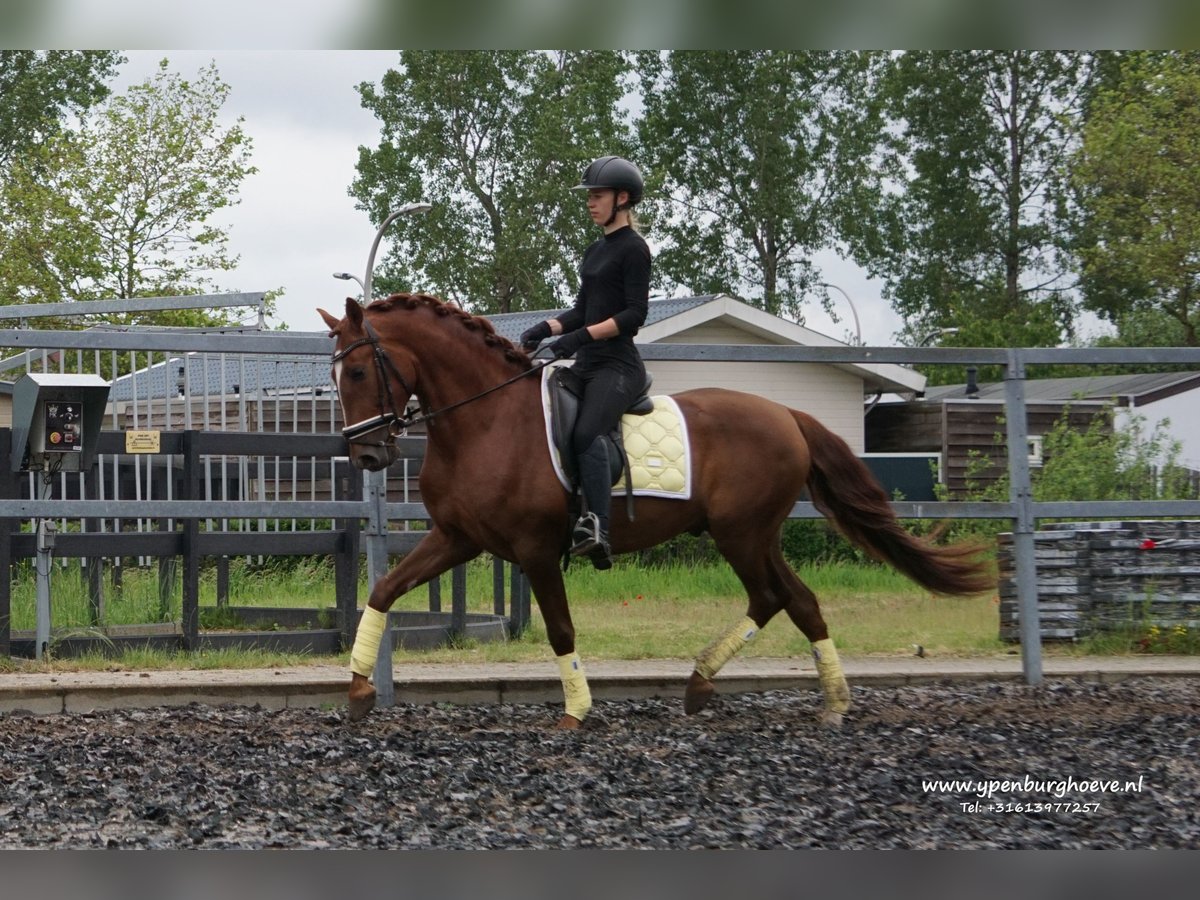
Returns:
(749, 556)
(771, 586)
(804, 611)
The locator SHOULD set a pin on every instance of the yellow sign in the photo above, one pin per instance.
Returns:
(141, 442)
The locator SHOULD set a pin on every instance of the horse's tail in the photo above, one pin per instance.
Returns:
(844, 490)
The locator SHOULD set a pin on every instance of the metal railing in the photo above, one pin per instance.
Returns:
(1021, 509)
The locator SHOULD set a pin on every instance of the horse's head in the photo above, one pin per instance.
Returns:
(373, 387)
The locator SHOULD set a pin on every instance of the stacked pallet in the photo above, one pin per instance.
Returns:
(1106, 576)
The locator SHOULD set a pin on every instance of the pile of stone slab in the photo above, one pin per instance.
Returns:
(1107, 576)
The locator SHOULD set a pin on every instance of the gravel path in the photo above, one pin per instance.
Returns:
(752, 771)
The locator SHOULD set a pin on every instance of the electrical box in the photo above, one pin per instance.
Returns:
(56, 421)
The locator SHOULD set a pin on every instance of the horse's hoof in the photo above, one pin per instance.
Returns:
(361, 705)
(699, 691)
(568, 723)
(830, 719)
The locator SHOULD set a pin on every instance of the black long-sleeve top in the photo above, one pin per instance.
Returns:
(614, 284)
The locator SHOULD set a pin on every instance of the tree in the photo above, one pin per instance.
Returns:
(494, 139)
(1137, 175)
(40, 88)
(758, 160)
(123, 207)
(973, 237)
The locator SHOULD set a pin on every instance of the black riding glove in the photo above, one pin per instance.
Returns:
(569, 343)
(535, 335)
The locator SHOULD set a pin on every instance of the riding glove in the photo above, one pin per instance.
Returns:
(535, 335)
(570, 342)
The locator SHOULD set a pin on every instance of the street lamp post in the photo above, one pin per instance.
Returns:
(936, 333)
(406, 210)
(346, 276)
(853, 310)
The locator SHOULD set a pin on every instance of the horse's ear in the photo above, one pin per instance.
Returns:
(333, 323)
(354, 312)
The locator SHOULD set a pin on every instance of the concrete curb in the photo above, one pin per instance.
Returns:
(325, 686)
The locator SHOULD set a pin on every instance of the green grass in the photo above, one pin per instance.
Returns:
(629, 612)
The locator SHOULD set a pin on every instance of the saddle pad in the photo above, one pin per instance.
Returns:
(658, 448)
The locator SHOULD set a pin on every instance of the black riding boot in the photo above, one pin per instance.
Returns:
(590, 537)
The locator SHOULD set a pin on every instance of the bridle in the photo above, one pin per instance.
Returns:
(390, 421)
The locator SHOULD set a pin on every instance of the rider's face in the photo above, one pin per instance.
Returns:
(600, 204)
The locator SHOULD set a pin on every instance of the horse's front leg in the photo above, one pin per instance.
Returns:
(546, 580)
(437, 552)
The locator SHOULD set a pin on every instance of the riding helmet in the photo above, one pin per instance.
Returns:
(613, 172)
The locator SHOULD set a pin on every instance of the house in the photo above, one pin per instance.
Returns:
(833, 393)
(232, 392)
(961, 421)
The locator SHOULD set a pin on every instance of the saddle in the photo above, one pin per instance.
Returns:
(566, 390)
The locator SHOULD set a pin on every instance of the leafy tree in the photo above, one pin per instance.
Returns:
(123, 207)
(494, 139)
(761, 158)
(974, 240)
(40, 88)
(1138, 178)
(1129, 460)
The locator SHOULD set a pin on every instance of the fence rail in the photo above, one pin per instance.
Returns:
(91, 349)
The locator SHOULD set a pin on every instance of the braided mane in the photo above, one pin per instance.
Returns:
(442, 309)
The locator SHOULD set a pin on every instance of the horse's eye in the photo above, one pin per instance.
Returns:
(358, 373)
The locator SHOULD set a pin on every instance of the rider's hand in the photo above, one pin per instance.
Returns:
(569, 343)
(534, 336)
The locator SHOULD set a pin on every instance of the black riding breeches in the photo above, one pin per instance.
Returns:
(607, 393)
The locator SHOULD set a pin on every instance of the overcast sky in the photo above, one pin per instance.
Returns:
(297, 224)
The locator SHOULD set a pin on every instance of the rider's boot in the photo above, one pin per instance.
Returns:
(590, 536)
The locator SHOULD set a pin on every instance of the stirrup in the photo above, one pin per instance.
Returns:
(588, 540)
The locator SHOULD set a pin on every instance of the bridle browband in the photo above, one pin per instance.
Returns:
(390, 418)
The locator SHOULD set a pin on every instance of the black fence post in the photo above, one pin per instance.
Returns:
(346, 560)
(94, 565)
(518, 616)
(6, 492)
(190, 490)
(458, 602)
(497, 585)
(222, 581)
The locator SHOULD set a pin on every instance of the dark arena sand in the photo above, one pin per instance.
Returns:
(1087, 765)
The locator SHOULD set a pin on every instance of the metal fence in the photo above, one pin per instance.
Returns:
(260, 397)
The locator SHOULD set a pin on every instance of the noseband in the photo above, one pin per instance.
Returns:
(390, 420)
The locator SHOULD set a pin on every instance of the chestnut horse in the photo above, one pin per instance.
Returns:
(488, 484)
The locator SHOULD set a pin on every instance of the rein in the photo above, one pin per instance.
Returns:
(389, 417)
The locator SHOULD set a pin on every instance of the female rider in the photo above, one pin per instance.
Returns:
(598, 330)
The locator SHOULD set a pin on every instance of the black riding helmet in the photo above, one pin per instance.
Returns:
(613, 172)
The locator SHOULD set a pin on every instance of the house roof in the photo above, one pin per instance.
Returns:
(1125, 390)
(215, 374)
(676, 315)
(511, 325)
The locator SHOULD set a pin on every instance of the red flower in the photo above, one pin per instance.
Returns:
(1148, 544)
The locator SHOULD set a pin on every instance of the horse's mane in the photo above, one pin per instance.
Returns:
(442, 309)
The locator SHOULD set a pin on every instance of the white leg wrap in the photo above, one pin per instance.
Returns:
(366, 642)
(575, 687)
(723, 649)
(833, 681)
